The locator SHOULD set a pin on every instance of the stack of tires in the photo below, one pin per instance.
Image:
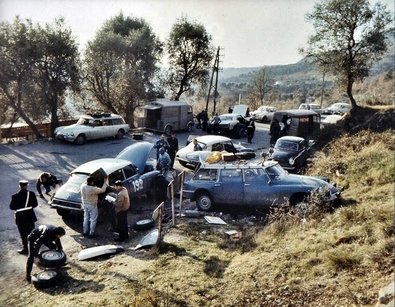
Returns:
(51, 260)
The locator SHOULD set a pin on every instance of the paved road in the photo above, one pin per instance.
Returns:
(27, 161)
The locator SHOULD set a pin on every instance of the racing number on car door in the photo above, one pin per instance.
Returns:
(138, 185)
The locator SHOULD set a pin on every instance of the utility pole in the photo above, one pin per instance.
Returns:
(214, 72)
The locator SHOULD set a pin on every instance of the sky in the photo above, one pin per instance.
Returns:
(250, 33)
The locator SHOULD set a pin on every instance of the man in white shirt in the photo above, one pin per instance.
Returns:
(89, 196)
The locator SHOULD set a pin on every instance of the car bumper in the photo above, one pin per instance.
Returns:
(62, 137)
(65, 205)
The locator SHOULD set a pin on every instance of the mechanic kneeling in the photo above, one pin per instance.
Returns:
(44, 234)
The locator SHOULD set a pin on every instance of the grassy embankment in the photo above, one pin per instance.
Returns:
(341, 257)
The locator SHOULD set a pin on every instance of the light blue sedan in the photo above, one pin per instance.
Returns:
(263, 185)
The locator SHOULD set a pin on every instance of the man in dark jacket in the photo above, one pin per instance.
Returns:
(173, 148)
(250, 130)
(44, 234)
(48, 180)
(23, 203)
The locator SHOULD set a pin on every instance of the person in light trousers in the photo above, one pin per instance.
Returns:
(89, 197)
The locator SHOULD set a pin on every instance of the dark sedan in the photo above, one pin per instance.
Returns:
(291, 152)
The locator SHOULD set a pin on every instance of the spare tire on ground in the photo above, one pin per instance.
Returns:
(46, 279)
(52, 258)
(144, 224)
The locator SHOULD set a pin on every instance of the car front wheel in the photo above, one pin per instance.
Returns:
(204, 202)
(80, 140)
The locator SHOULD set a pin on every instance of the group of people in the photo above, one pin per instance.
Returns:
(24, 201)
(249, 128)
(166, 149)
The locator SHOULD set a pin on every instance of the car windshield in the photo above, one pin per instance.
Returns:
(314, 107)
(286, 146)
(85, 121)
(223, 118)
(275, 171)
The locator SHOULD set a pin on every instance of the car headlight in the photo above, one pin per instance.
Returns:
(291, 161)
(70, 134)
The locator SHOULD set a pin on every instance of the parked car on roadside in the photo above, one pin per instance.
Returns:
(231, 124)
(291, 152)
(93, 126)
(263, 113)
(311, 106)
(251, 184)
(210, 143)
(132, 166)
(338, 108)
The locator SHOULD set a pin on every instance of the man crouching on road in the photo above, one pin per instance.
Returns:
(44, 234)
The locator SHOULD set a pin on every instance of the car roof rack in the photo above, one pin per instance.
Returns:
(100, 115)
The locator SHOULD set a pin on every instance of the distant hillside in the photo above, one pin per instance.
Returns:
(303, 68)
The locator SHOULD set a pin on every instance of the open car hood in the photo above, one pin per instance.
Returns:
(137, 154)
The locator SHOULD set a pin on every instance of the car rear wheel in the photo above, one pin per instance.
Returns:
(204, 202)
(120, 134)
(80, 140)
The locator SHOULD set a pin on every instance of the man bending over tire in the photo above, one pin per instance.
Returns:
(44, 234)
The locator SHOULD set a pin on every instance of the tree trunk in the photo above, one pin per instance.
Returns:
(54, 115)
(350, 96)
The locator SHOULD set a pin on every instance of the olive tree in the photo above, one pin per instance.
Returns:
(37, 66)
(190, 53)
(57, 68)
(349, 37)
(120, 63)
(18, 56)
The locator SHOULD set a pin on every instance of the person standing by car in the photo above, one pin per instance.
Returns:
(274, 132)
(122, 205)
(173, 148)
(47, 180)
(204, 120)
(23, 203)
(89, 197)
(44, 234)
(162, 142)
(250, 130)
(164, 161)
(196, 145)
(216, 122)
